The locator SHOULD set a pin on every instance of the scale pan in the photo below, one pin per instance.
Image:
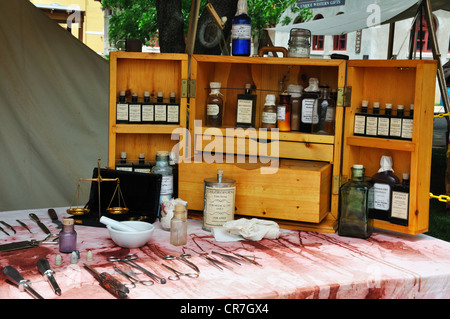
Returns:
(117, 210)
(78, 211)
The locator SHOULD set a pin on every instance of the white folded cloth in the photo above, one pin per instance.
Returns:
(251, 229)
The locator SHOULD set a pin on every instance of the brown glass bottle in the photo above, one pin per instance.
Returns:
(214, 106)
(284, 113)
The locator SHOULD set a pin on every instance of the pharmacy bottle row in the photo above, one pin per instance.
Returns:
(148, 109)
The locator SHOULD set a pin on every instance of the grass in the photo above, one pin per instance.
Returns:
(439, 221)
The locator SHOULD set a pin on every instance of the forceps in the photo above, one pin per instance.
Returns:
(133, 280)
(178, 274)
(128, 259)
(182, 258)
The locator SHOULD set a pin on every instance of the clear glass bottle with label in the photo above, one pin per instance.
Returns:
(309, 115)
(407, 124)
(219, 201)
(246, 108)
(269, 113)
(384, 121)
(284, 112)
(372, 120)
(359, 127)
(296, 92)
(214, 106)
(354, 218)
(173, 110)
(148, 109)
(400, 202)
(383, 181)
(122, 109)
(241, 31)
(395, 129)
(135, 110)
(160, 109)
(326, 112)
(178, 226)
(162, 167)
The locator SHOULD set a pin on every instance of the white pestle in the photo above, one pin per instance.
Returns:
(117, 225)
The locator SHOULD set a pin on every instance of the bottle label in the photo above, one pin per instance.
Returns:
(383, 126)
(212, 109)
(219, 206)
(372, 125)
(122, 112)
(172, 113)
(281, 113)
(160, 113)
(400, 202)
(309, 111)
(407, 128)
(244, 111)
(241, 31)
(381, 196)
(148, 112)
(330, 114)
(396, 127)
(135, 113)
(269, 117)
(360, 124)
(167, 185)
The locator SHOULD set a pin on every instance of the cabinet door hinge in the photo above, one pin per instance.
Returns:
(187, 88)
(344, 96)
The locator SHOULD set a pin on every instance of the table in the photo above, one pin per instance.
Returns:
(297, 265)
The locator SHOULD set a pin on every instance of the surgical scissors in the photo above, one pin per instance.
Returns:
(178, 274)
(181, 258)
(128, 259)
(133, 280)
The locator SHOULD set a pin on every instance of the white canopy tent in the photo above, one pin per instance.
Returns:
(54, 109)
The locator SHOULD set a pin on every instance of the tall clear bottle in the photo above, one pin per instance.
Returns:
(241, 31)
(68, 236)
(296, 92)
(162, 167)
(178, 226)
(214, 106)
(354, 204)
(326, 110)
(269, 113)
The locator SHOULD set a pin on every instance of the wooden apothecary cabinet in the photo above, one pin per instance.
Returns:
(303, 191)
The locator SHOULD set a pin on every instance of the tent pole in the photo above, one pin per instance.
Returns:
(391, 41)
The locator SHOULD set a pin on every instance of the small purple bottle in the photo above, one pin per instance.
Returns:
(68, 237)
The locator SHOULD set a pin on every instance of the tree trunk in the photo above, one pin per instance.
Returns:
(170, 25)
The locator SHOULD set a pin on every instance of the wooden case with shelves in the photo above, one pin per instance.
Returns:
(321, 163)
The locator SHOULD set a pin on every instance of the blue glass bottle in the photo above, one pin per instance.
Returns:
(241, 31)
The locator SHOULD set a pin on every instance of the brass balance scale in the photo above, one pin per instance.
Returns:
(117, 210)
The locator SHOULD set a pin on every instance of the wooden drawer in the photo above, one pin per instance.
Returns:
(298, 191)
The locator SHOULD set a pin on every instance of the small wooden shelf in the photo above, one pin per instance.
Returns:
(144, 128)
(382, 143)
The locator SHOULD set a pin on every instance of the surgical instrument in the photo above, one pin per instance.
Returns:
(133, 280)
(178, 274)
(128, 259)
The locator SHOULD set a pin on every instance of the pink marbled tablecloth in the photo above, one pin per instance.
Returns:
(297, 265)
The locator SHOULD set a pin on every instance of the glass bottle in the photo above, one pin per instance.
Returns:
(384, 121)
(326, 112)
(284, 113)
(173, 110)
(295, 91)
(68, 236)
(162, 167)
(246, 108)
(142, 166)
(178, 226)
(395, 129)
(214, 106)
(122, 109)
(148, 109)
(269, 113)
(407, 124)
(354, 201)
(383, 181)
(400, 202)
(135, 110)
(123, 164)
(241, 31)
(160, 109)
(359, 127)
(372, 121)
(308, 111)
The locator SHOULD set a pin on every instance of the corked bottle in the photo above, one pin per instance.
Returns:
(178, 226)
(68, 236)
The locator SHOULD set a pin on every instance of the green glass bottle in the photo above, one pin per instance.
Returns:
(354, 203)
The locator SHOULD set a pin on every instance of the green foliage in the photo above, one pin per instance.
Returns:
(137, 19)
